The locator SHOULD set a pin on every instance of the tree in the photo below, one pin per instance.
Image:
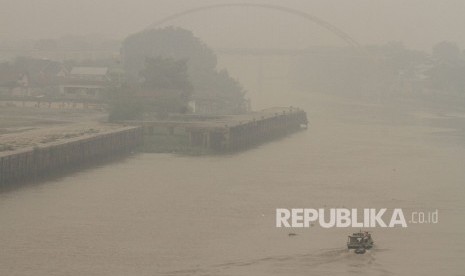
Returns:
(163, 88)
(168, 42)
(446, 52)
(215, 88)
(448, 72)
(165, 85)
(166, 73)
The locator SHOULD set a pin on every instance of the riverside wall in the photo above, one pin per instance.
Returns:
(223, 134)
(234, 132)
(30, 163)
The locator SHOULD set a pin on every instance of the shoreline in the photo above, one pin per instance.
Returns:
(31, 153)
(30, 163)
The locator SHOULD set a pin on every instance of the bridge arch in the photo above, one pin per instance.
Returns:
(318, 21)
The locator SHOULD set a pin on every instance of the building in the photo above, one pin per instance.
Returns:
(86, 83)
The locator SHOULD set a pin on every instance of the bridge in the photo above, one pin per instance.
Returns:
(297, 13)
(270, 52)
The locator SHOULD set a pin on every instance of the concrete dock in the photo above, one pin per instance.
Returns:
(226, 133)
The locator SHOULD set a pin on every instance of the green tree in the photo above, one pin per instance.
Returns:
(448, 72)
(217, 89)
(168, 42)
(166, 73)
(163, 88)
(446, 52)
(165, 85)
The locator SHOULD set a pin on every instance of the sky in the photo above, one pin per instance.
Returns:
(419, 24)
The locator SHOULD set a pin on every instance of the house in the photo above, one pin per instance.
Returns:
(86, 83)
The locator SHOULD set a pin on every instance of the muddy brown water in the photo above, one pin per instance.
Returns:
(164, 214)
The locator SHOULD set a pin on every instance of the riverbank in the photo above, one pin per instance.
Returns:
(22, 127)
(35, 142)
(31, 163)
(40, 141)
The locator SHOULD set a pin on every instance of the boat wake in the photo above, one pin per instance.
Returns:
(324, 262)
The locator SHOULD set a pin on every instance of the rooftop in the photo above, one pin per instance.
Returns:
(94, 71)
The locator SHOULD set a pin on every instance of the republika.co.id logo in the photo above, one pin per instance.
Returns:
(342, 217)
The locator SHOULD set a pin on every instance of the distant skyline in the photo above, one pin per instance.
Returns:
(418, 24)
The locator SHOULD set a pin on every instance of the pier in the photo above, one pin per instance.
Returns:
(233, 132)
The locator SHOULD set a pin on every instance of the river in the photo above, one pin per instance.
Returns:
(166, 214)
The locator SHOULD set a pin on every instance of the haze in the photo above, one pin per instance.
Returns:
(168, 151)
(419, 24)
